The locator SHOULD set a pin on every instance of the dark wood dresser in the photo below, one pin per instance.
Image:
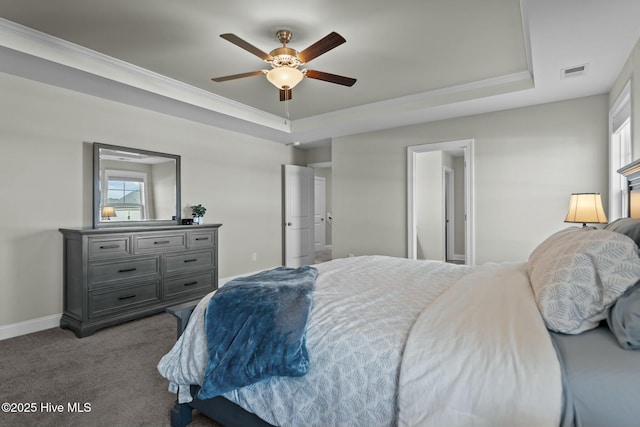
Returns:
(112, 275)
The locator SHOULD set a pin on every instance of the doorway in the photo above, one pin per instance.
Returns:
(432, 201)
(322, 206)
(319, 205)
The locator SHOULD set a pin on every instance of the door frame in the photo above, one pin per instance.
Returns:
(316, 179)
(449, 209)
(412, 152)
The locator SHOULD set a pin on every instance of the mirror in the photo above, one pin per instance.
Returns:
(134, 187)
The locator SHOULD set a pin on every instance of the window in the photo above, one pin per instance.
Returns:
(126, 193)
(620, 153)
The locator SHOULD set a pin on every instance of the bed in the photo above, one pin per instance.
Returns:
(387, 341)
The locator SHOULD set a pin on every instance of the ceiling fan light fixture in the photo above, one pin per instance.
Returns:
(285, 77)
(285, 62)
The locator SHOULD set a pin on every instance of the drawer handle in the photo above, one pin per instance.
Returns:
(191, 283)
(126, 270)
(191, 260)
(161, 242)
(110, 247)
(202, 238)
(127, 297)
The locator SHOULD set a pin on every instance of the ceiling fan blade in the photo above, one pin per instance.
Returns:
(321, 46)
(331, 78)
(286, 94)
(246, 46)
(238, 76)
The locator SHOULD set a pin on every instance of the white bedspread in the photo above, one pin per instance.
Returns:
(364, 310)
(481, 356)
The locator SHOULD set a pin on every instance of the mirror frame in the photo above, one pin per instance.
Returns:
(97, 223)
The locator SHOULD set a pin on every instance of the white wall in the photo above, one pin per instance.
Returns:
(46, 183)
(527, 162)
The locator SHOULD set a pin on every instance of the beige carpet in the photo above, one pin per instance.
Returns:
(113, 372)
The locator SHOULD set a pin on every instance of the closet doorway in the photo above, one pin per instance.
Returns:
(439, 217)
(323, 207)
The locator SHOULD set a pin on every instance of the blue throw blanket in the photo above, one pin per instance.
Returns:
(256, 329)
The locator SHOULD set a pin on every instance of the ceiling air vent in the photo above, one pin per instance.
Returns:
(575, 71)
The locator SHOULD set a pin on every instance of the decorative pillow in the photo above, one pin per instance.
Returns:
(624, 318)
(578, 273)
(627, 226)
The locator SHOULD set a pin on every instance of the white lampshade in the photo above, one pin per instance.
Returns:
(285, 77)
(586, 208)
(108, 212)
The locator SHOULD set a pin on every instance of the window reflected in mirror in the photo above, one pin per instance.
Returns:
(135, 186)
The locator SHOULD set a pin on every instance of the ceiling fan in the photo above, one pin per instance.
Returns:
(285, 62)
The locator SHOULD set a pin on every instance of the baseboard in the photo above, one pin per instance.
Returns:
(53, 321)
(458, 257)
(29, 326)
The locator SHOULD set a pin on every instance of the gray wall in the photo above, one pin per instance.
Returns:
(46, 175)
(527, 163)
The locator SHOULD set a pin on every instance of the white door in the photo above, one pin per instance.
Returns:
(320, 208)
(298, 184)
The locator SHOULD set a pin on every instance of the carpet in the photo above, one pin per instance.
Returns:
(107, 379)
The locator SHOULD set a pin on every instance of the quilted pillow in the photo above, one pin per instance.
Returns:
(578, 273)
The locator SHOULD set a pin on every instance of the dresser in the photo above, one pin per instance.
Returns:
(112, 275)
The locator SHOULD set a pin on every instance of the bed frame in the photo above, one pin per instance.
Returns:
(632, 173)
(219, 409)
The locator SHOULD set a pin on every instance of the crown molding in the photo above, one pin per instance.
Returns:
(160, 93)
(44, 46)
(410, 109)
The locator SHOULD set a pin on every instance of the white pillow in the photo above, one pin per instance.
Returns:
(578, 273)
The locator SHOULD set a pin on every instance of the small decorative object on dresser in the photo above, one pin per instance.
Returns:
(112, 275)
(197, 212)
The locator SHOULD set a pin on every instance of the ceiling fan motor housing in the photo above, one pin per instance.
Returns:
(284, 36)
(285, 56)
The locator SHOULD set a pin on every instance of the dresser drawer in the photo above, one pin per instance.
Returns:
(112, 246)
(103, 302)
(177, 286)
(145, 243)
(101, 273)
(188, 261)
(201, 239)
